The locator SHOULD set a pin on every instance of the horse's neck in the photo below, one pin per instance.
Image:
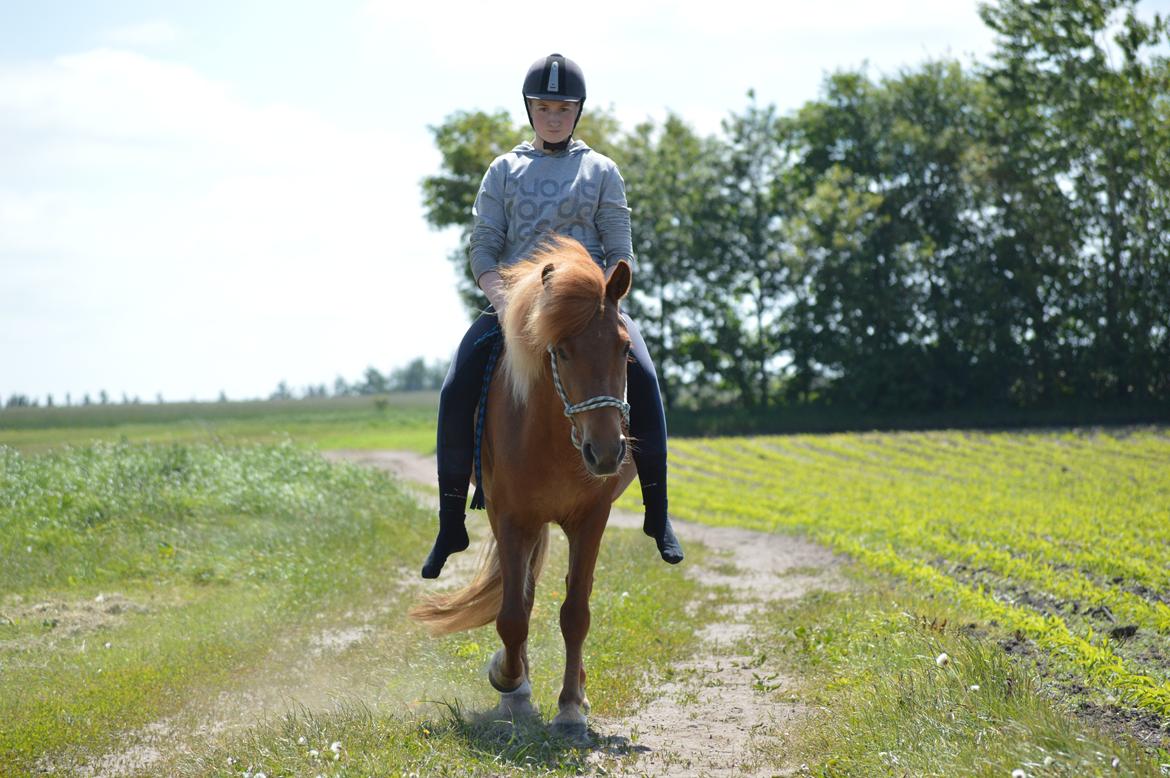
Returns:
(538, 421)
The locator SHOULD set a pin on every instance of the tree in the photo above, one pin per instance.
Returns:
(671, 183)
(374, 383)
(417, 376)
(1084, 179)
(282, 392)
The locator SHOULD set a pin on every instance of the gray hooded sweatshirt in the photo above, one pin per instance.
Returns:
(528, 194)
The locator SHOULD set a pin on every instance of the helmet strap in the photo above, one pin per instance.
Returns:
(561, 146)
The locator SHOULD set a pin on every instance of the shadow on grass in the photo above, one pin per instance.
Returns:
(529, 742)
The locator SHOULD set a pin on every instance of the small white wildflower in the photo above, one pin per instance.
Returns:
(1018, 773)
(975, 687)
(336, 757)
(335, 747)
(1116, 763)
(109, 644)
(314, 753)
(259, 775)
(301, 740)
(625, 594)
(232, 760)
(100, 598)
(1048, 761)
(942, 660)
(29, 549)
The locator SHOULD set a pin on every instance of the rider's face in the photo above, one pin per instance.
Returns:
(553, 120)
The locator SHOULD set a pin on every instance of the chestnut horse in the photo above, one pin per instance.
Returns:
(564, 341)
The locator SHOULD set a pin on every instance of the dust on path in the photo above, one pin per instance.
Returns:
(718, 716)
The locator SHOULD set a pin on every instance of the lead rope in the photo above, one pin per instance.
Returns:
(602, 401)
(477, 499)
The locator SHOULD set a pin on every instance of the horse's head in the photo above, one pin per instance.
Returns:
(589, 367)
(563, 314)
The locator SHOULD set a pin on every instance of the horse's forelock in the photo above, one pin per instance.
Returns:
(538, 315)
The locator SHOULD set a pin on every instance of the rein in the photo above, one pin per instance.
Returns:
(601, 401)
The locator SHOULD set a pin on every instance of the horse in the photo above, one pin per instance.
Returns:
(563, 338)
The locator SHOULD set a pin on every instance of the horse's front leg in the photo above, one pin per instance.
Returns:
(508, 671)
(584, 543)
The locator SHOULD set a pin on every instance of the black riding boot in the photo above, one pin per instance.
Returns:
(452, 523)
(656, 522)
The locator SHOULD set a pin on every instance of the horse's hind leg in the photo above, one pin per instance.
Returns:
(584, 543)
(508, 671)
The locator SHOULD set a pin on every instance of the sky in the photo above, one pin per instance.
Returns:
(214, 197)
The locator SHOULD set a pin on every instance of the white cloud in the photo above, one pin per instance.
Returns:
(649, 57)
(205, 243)
(150, 34)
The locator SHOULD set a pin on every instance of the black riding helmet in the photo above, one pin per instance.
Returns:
(555, 77)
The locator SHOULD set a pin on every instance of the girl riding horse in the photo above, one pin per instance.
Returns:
(553, 185)
(566, 340)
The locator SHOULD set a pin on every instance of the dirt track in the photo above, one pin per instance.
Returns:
(715, 718)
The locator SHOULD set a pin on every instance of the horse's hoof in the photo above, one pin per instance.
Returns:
(574, 731)
(518, 703)
(570, 724)
(500, 683)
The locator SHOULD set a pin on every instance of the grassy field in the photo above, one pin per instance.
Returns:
(159, 601)
(401, 421)
(202, 564)
(1052, 546)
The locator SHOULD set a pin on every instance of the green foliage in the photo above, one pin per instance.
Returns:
(118, 512)
(946, 237)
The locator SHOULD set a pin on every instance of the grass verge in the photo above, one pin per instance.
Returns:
(902, 682)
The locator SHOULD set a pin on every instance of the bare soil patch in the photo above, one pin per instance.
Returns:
(61, 619)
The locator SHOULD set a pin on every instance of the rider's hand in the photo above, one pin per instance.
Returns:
(493, 286)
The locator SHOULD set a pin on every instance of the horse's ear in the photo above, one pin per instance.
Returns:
(620, 281)
(545, 273)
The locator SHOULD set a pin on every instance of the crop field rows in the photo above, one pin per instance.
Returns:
(1059, 537)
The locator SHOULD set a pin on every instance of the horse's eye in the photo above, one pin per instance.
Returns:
(561, 353)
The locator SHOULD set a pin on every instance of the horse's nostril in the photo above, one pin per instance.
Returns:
(622, 451)
(590, 457)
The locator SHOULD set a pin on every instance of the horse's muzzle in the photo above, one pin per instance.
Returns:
(604, 460)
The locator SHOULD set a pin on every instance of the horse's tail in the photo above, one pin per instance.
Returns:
(478, 603)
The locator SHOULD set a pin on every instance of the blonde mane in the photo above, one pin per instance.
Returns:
(539, 314)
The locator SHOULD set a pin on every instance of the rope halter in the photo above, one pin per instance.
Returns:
(601, 401)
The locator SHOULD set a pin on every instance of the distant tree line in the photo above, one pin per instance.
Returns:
(947, 237)
(26, 401)
(416, 376)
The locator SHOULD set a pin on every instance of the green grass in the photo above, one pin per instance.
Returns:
(214, 547)
(230, 552)
(901, 684)
(1057, 535)
(400, 421)
(1046, 540)
(171, 588)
